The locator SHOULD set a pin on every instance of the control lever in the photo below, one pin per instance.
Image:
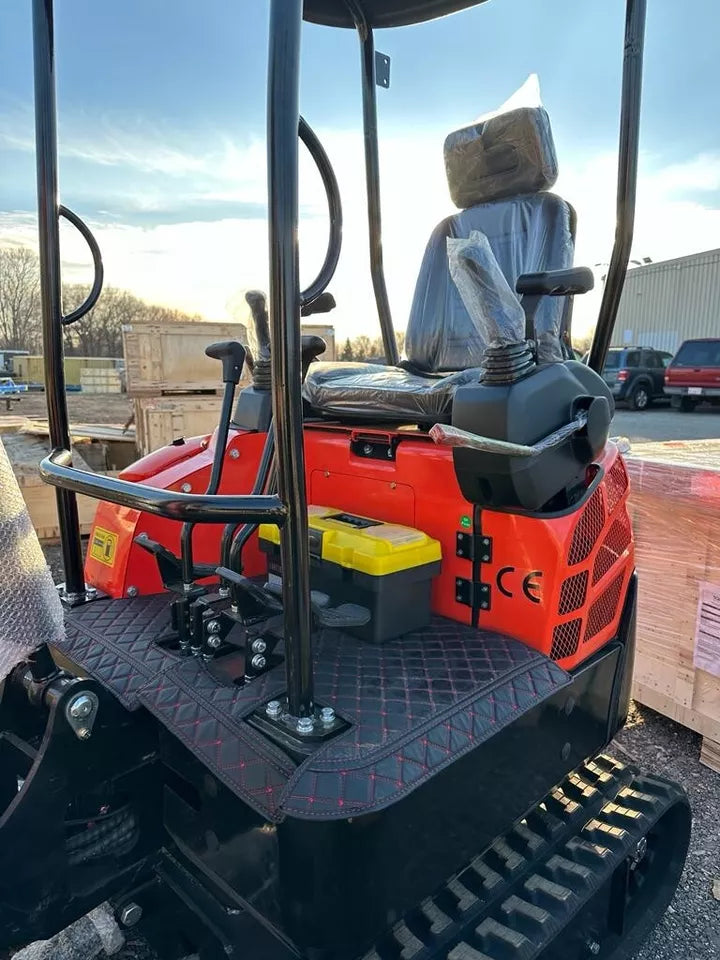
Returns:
(170, 566)
(322, 304)
(310, 349)
(446, 436)
(257, 301)
(232, 355)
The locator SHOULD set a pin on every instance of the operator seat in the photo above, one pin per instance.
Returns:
(499, 172)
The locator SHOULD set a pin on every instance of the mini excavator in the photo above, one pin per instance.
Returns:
(338, 681)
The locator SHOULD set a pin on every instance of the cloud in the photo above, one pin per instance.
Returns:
(181, 216)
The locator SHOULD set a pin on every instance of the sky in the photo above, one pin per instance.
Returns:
(161, 112)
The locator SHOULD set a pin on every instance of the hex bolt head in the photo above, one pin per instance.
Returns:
(84, 734)
(327, 715)
(367, 449)
(593, 948)
(305, 725)
(213, 626)
(258, 662)
(259, 645)
(213, 641)
(81, 707)
(132, 591)
(130, 915)
(273, 709)
(186, 488)
(234, 454)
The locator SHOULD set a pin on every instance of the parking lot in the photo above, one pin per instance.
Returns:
(659, 422)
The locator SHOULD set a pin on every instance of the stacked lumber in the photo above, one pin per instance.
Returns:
(675, 506)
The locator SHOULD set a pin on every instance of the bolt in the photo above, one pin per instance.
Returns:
(640, 850)
(593, 947)
(273, 709)
(258, 662)
(132, 591)
(234, 454)
(84, 733)
(259, 645)
(214, 641)
(81, 707)
(213, 626)
(186, 488)
(327, 715)
(305, 725)
(130, 915)
(367, 449)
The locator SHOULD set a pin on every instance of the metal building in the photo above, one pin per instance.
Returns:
(667, 302)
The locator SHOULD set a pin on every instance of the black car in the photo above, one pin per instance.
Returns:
(636, 375)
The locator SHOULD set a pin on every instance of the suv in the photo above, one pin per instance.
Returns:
(694, 374)
(636, 375)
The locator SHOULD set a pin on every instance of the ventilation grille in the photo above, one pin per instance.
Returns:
(566, 637)
(616, 483)
(588, 529)
(572, 593)
(613, 546)
(603, 611)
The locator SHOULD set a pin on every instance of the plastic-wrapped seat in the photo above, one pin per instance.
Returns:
(499, 170)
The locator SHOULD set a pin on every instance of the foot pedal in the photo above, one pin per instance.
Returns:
(342, 617)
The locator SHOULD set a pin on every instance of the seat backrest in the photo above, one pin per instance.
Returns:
(499, 171)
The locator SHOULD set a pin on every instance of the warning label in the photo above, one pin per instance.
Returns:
(103, 546)
(707, 630)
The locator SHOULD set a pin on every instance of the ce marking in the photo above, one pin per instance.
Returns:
(530, 583)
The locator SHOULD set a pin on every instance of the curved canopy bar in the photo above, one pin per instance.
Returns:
(382, 13)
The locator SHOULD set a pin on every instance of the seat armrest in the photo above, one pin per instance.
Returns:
(556, 283)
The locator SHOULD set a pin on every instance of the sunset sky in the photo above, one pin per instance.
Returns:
(162, 117)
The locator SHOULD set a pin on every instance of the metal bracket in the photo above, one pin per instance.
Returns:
(77, 599)
(472, 593)
(382, 70)
(81, 712)
(473, 546)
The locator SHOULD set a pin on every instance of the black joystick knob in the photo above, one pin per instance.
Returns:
(310, 349)
(257, 301)
(232, 355)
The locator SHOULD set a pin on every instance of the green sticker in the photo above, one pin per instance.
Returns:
(465, 521)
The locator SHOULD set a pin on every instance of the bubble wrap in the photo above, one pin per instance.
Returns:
(493, 307)
(30, 610)
(90, 936)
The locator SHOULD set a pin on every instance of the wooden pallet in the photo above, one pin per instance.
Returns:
(675, 507)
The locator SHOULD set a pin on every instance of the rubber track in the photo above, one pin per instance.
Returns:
(512, 900)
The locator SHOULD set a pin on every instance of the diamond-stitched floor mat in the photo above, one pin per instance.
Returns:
(414, 705)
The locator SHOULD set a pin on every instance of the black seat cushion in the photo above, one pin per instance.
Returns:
(370, 391)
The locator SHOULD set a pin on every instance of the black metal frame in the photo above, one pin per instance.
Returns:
(288, 508)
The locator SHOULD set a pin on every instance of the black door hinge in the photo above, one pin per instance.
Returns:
(473, 593)
(473, 546)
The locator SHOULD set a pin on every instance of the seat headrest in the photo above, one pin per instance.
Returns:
(509, 154)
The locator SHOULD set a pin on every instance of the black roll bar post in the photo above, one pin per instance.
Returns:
(635, 13)
(283, 116)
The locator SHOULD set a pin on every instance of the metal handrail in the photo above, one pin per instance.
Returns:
(332, 192)
(56, 469)
(96, 289)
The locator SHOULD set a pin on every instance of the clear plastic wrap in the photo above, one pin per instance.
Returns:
(501, 155)
(91, 936)
(30, 609)
(446, 436)
(527, 235)
(370, 390)
(675, 510)
(493, 307)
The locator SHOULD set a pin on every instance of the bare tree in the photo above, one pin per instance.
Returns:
(19, 298)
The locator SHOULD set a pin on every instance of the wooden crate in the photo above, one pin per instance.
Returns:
(94, 380)
(675, 506)
(167, 358)
(42, 506)
(160, 420)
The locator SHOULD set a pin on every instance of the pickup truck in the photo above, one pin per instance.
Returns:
(10, 391)
(693, 374)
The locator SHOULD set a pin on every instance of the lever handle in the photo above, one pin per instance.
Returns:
(232, 355)
(257, 301)
(310, 349)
